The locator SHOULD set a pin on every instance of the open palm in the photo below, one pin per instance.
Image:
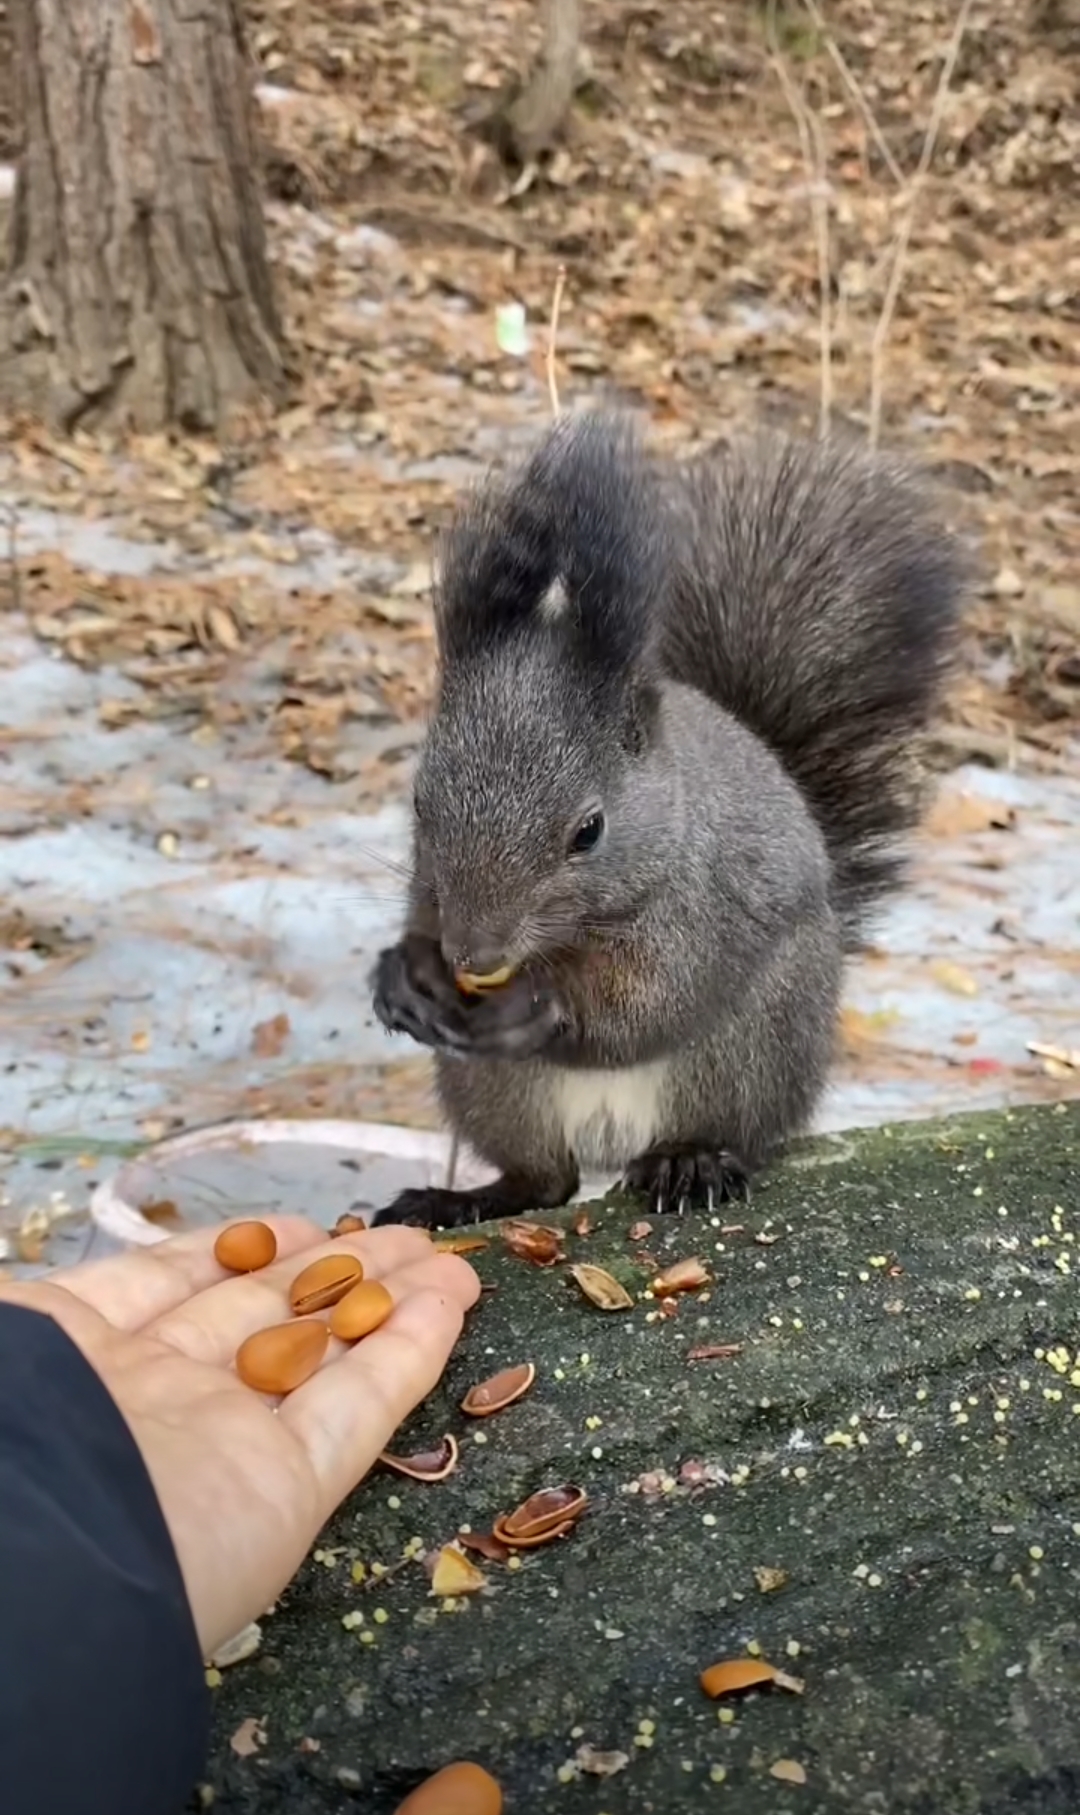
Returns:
(246, 1482)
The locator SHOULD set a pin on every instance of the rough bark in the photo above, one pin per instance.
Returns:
(138, 289)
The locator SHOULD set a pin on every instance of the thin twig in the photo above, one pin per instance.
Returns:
(553, 332)
(819, 208)
(903, 235)
(812, 143)
(851, 83)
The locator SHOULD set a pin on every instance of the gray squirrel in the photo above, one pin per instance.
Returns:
(669, 774)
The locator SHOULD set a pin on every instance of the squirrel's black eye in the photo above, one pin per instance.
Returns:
(588, 834)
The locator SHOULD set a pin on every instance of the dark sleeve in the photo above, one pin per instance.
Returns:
(104, 1708)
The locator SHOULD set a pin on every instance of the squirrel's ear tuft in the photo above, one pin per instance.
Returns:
(496, 563)
(574, 544)
(604, 494)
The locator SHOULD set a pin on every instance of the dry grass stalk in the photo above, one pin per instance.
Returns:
(812, 142)
(851, 83)
(879, 345)
(552, 340)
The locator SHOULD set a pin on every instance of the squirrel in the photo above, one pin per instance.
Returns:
(669, 774)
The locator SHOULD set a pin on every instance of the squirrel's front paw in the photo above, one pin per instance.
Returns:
(415, 994)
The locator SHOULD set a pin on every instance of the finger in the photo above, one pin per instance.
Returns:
(134, 1288)
(212, 1326)
(350, 1410)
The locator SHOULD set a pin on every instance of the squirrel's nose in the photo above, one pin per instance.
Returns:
(469, 949)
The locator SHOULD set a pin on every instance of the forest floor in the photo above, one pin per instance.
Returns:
(682, 209)
(240, 637)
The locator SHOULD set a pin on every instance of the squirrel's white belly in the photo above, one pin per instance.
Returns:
(608, 1117)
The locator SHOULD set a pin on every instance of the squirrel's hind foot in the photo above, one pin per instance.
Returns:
(687, 1178)
(435, 1207)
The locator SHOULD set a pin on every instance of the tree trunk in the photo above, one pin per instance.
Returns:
(138, 290)
(535, 117)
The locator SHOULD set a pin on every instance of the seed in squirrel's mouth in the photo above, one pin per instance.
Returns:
(474, 983)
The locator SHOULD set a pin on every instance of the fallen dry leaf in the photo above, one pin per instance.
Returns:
(715, 1351)
(638, 1231)
(583, 1223)
(269, 1037)
(953, 977)
(160, 1210)
(1063, 1058)
(860, 1027)
(788, 1770)
(453, 1574)
(602, 1288)
(955, 813)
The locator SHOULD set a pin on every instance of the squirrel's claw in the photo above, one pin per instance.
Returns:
(682, 1178)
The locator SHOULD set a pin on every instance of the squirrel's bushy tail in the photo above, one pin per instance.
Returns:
(816, 598)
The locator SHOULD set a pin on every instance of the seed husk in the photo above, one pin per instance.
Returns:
(453, 1574)
(542, 1511)
(682, 1276)
(321, 1284)
(737, 1673)
(426, 1464)
(533, 1241)
(602, 1288)
(734, 1674)
(281, 1358)
(348, 1224)
(361, 1311)
(246, 1247)
(501, 1390)
(461, 1244)
(535, 1539)
(459, 1789)
(486, 1543)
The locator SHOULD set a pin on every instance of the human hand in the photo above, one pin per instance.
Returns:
(415, 993)
(245, 1488)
